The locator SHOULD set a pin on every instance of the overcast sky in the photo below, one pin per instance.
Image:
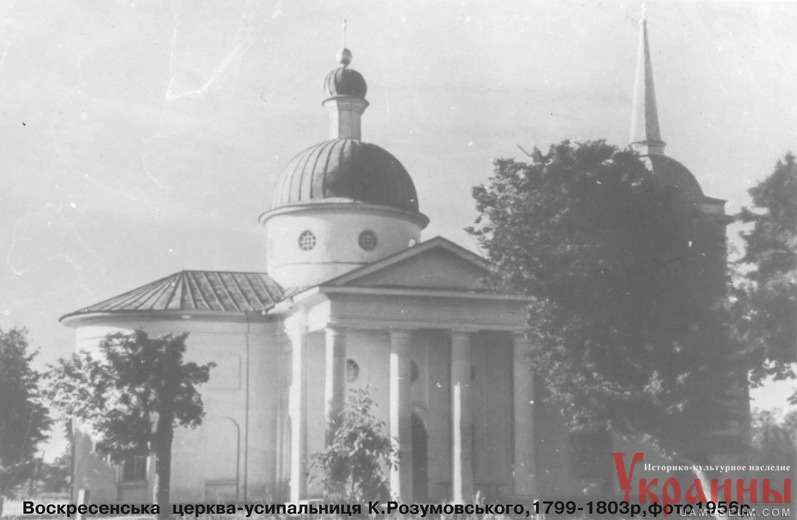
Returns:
(144, 137)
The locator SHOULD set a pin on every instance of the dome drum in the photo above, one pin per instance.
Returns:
(310, 243)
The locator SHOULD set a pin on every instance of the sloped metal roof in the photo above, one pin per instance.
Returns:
(219, 291)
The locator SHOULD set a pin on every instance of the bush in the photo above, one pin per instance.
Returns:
(352, 467)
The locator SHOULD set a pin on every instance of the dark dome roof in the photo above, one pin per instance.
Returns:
(669, 172)
(346, 169)
(344, 81)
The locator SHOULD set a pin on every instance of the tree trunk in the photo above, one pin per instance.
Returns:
(163, 470)
(704, 482)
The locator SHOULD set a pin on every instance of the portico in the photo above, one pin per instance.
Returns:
(388, 333)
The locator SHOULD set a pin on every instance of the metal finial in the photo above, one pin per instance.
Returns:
(344, 56)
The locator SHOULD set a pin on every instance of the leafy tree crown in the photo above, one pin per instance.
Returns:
(628, 285)
(127, 385)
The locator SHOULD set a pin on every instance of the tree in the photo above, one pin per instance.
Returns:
(132, 395)
(774, 440)
(352, 466)
(51, 478)
(54, 477)
(628, 286)
(767, 300)
(24, 420)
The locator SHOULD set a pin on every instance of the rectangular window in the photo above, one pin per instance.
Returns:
(134, 468)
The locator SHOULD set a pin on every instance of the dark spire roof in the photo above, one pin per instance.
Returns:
(645, 131)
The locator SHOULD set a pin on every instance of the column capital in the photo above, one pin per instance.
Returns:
(521, 341)
(296, 322)
(462, 333)
(401, 333)
(521, 335)
(334, 328)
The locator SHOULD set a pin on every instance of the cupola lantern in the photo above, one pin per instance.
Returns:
(346, 89)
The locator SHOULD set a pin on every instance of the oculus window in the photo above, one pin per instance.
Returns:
(306, 240)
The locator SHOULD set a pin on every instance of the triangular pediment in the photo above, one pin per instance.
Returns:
(435, 264)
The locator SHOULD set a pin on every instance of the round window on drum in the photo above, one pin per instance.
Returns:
(367, 240)
(306, 240)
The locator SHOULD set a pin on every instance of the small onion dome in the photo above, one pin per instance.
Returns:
(347, 170)
(344, 81)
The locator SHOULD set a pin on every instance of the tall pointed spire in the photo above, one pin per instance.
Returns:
(645, 132)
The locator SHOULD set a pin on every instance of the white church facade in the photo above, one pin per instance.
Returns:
(353, 297)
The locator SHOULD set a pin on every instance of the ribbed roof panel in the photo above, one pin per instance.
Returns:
(220, 291)
(348, 169)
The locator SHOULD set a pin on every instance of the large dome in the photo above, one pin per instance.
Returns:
(346, 169)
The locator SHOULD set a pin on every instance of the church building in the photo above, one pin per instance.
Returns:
(351, 296)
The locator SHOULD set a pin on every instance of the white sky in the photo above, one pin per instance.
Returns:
(144, 137)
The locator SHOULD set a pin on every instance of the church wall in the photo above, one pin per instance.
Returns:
(370, 350)
(435, 375)
(92, 471)
(210, 462)
(431, 401)
(492, 414)
(429, 393)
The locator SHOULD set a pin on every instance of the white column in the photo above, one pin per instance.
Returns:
(523, 393)
(297, 408)
(335, 380)
(400, 414)
(461, 418)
